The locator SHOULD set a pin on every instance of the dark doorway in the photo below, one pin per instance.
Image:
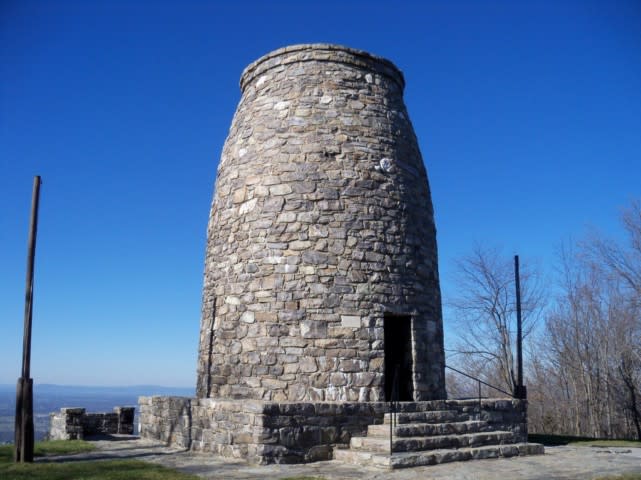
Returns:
(398, 356)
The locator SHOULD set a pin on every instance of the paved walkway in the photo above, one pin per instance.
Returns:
(566, 463)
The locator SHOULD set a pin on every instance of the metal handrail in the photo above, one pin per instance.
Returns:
(393, 408)
(480, 405)
(480, 381)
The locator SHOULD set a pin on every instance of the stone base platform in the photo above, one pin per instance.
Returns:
(266, 432)
(435, 457)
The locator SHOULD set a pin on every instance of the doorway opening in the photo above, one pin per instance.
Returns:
(398, 356)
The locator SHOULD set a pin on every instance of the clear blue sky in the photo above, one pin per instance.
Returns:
(528, 115)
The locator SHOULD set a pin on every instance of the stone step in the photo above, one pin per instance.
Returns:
(456, 405)
(434, 416)
(429, 429)
(413, 444)
(433, 457)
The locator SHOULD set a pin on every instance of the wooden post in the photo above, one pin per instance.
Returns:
(24, 434)
(519, 391)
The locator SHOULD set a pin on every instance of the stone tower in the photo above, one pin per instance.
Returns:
(321, 279)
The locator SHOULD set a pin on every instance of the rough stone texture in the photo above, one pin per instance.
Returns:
(430, 433)
(259, 431)
(167, 419)
(76, 424)
(321, 224)
(271, 432)
(502, 414)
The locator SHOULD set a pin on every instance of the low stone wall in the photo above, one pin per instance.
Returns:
(262, 432)
(76, 424)
(272, 432)
(509, 415)
(269, 432)
(167, 419)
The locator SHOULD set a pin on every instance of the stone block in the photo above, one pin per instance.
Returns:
(313, 329)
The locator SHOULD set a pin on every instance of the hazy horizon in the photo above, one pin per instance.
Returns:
(50, 398)
(132, 386)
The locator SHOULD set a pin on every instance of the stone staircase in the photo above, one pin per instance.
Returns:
(436, 432)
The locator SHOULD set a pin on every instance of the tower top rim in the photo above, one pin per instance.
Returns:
(321, 52)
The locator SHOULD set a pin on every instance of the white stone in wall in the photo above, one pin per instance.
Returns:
(350, 321)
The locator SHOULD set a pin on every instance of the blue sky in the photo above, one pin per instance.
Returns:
(528, 115)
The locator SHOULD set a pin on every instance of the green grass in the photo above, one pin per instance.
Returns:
(607, 443)
(54, 447)
(80, 470)
(555, 440)
(302, 478)
(627, 476)
(62, 447)
(90, 470)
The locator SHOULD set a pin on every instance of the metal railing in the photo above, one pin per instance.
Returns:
(480, 382)
(394, 399)
(393, 408)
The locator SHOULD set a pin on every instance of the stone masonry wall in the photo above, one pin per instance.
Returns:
(268, 432)
(76, 424)
(510, 415)
(167, 419)
(271, 432)
(262, 432)
(502, 414)
(321, 224)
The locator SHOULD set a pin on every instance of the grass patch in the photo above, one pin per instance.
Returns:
(627, 476)
(555, 440)
(80, 470)
(62, 447)
(6, 453)
(607, 443)
(302, 478)
(54, 447)
(91, 470)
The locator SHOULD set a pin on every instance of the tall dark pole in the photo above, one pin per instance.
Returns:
(519, 391)
(23, 438)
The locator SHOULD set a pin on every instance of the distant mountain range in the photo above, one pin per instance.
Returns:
(50, 398)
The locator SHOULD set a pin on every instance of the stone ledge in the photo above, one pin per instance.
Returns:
(321, 52)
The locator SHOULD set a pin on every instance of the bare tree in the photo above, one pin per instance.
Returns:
(624, 261)
(584, 375)
(590, 369)
(485, 310)
(592, 339)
